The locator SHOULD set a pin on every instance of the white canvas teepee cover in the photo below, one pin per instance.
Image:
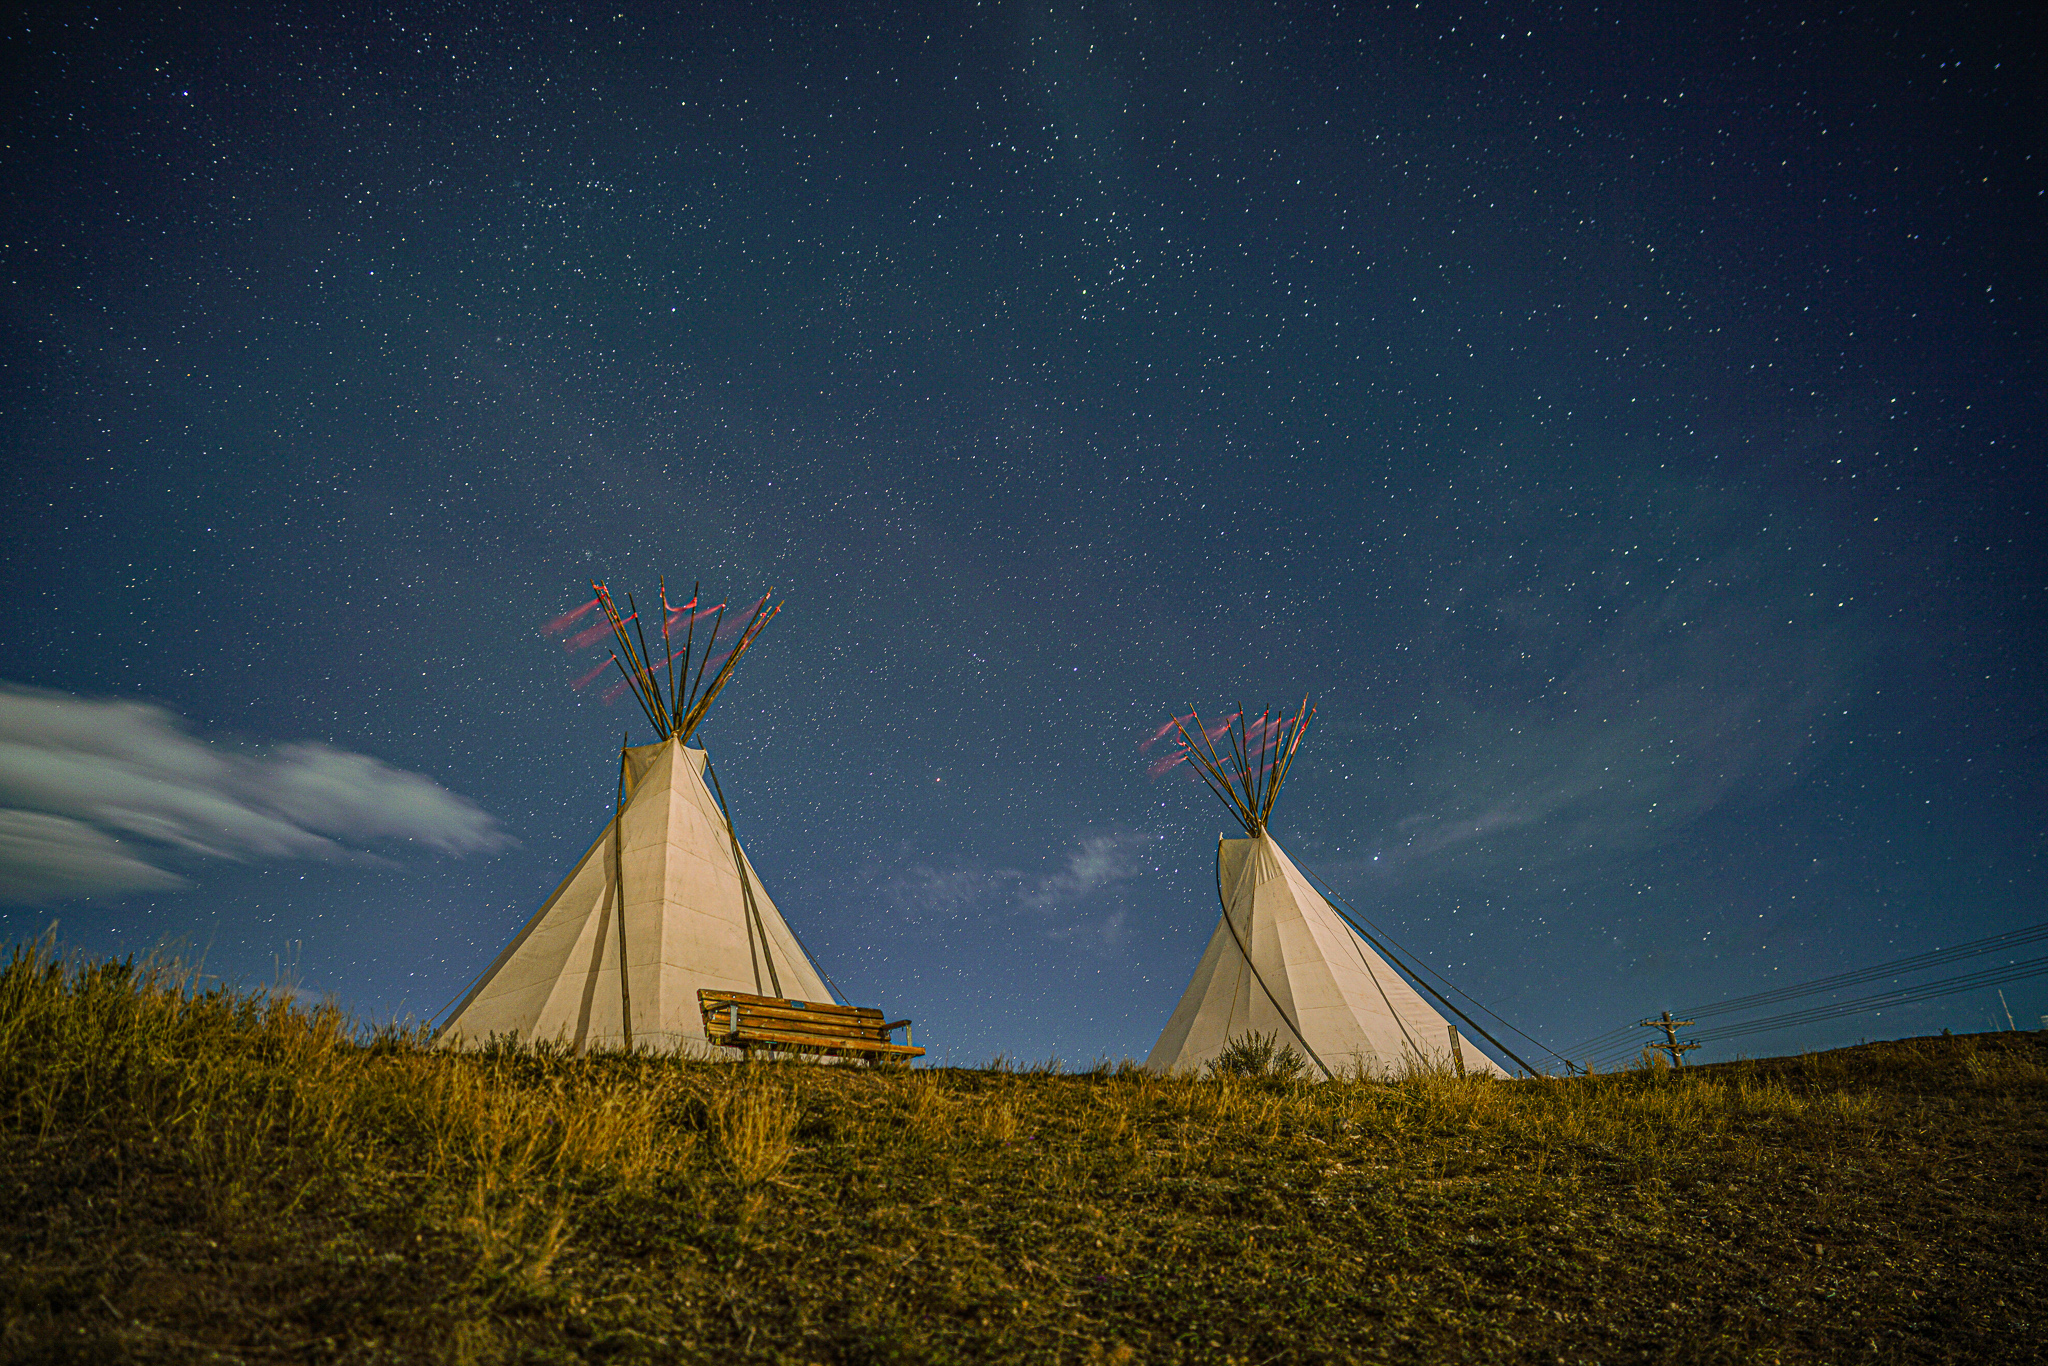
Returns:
(1282, 962)
(688, 925)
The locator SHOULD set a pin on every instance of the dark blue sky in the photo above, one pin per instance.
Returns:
(1625, 427)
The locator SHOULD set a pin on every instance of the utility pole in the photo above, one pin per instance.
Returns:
(1671, 1044)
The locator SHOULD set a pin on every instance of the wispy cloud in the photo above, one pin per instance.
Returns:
(94, 794)
(48, 858)
(1675, 682)
(1064, 900)
(1100, 861)
(933, 893)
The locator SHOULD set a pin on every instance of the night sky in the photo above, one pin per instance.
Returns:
(1625, 427)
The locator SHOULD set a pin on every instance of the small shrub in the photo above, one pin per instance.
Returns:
(1258, 1055)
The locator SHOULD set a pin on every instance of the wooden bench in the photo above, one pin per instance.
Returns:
(737, 1020)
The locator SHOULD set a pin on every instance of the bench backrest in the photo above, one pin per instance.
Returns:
(724, 1009)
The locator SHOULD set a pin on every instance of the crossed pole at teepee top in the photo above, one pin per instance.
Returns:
(674, 701)
(1245, 781)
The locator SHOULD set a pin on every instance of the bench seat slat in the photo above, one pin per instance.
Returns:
(718, 1028)
(719, 1025)
(744, 1035)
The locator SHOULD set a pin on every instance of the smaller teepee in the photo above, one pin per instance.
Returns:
(666, 902)
(1282, 961)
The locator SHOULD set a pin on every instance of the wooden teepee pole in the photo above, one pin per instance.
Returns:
(690, 702)
(763, 614)
(619, 896)
(638, 677)
(1212, 768)
(647, 672)
(690, 635)
(739, 863)
(668, 648)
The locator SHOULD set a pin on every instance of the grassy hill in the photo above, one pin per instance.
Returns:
(217, 1176)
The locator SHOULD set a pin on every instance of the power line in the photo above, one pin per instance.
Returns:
(1934, 958)
(1605, 1042)
(1926, 991)
(1988, 977)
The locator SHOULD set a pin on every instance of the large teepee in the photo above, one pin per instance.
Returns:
(1282, 961)
(665, 902)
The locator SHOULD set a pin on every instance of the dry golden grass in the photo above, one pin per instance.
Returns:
(196, 1175)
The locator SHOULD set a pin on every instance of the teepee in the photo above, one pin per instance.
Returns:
(1283, 962)
(665, 902)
